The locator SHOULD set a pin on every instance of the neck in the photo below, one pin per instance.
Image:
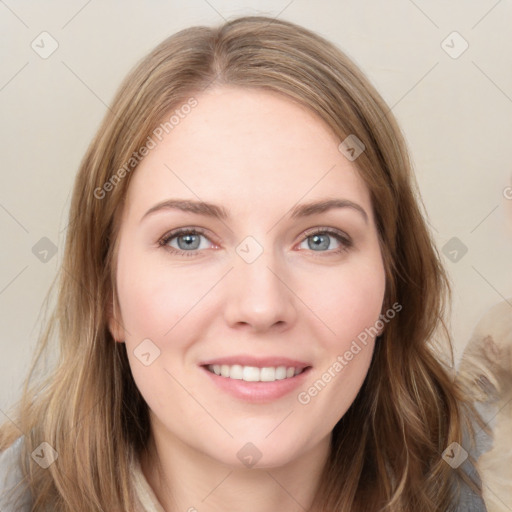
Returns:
(184, 479)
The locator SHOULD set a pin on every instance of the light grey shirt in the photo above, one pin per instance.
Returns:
(14, 496)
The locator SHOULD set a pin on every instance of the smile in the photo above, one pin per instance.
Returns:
(253, 373)
(254, 384)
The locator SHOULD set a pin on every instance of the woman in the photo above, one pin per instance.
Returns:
(286, 361)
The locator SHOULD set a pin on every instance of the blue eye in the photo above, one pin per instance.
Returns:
(320, 241)
(187, 242)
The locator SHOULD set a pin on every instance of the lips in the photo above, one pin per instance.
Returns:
(258, 362)
(256, 379)
(256, 392)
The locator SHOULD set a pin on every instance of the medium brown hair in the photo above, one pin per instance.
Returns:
(386, 450)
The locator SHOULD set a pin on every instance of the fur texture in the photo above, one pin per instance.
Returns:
(486, 370)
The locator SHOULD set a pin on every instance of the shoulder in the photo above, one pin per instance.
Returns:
(14, 494)
(465, 457)
(468, 499)
(471, 503)
(485, 372)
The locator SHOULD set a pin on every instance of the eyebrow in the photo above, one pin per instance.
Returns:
(219, 212)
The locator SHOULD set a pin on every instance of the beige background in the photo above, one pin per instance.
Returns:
(456, 114)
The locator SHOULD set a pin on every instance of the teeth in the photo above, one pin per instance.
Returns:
(236, 372)
(253, 373)
(268, 374)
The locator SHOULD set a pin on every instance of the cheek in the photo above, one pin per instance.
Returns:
(351, 310)
(350, 301)
(154, 298)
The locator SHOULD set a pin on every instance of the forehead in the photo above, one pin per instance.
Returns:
(244, 147)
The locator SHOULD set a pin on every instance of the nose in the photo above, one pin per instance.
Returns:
(259, 296)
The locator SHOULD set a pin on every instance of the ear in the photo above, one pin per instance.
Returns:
(115, 325)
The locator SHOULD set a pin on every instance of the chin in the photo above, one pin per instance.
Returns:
(255, 452)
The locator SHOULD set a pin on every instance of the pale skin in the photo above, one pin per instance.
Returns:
(258, 155)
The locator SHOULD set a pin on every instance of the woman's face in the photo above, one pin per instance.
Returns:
(266, 286)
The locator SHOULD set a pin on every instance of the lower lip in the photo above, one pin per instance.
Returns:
(257, 392)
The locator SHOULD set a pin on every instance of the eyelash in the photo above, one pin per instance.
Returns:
(345, 241)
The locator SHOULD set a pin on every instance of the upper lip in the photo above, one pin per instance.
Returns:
(258, 362)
